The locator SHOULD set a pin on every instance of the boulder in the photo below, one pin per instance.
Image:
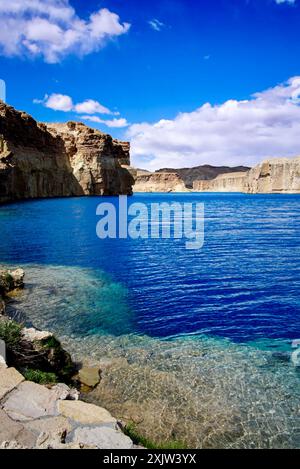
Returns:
(31, 401)
(89, 376)
(85, 414)
(11, 431)
(102, 438)
(10, 378)
(32, 335)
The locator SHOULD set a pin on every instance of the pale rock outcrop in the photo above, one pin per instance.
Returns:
(58, 160)
(102, 438)
(228, 182)
(36, 416)
(158, 182)
(278, 175)
(86, 414)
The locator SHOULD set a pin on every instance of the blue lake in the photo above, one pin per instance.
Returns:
(244, 284)
(215, 322)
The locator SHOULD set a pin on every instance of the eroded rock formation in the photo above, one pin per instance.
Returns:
(278, 175)
(230, 182)
(158, 182)
(57, 160)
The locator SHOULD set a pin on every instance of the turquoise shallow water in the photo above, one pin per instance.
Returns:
(196, 344)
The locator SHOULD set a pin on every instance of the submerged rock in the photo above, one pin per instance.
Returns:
(89, 376)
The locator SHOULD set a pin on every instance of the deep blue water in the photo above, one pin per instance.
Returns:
(244, 284)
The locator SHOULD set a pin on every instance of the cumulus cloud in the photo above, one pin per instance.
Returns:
(58, 102)
(62, 102)
(117, 123)
(92, 107)
(51, 29)
(156, 24)
(89, 107)
(232, 133)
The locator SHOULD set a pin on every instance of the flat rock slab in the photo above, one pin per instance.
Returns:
(89, 375)
(31, 401)
(102, 438)
(15, 431)
(10, 378)
(85, 413)
(49, 425)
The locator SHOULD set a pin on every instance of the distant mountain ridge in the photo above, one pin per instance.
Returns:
(204, 172)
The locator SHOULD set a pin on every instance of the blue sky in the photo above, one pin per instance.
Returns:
(175, 56)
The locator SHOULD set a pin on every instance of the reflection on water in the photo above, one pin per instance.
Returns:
(209, 392)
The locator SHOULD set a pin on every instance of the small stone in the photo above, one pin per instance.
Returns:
(31, 401)
(85, 413)
(89, 376)
(10, 378)
(102, 438)
(63, 392)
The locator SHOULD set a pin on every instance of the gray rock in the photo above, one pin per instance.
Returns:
(86, 414)
(10, 378)
(2, 354)
(31, 334)
(102, 438)
(30, 401)
(11, 431)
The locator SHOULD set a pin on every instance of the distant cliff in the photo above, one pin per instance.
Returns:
(278, 175)
(229, 182)
(158, 182)
(58, 160)
(205, 172)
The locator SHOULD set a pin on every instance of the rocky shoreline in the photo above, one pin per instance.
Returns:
(50, 415)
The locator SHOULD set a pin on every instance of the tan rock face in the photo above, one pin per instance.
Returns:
(158, 182)
(230, 182)
(280, 175)
(56, 160)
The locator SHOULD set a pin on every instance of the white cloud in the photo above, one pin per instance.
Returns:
(233, 133)
(156, 24)
(89, 107)
(62, 102)
(117, 123)
(51, 29)
(92, 107)
(58, 102)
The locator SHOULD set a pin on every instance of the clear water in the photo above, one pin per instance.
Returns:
(195, 345)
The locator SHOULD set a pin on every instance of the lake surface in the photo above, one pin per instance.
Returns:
(214, 324)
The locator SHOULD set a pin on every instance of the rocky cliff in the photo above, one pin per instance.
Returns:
(278, 175)
(230, 182)
(57, 160)
(158, 182)
(204, 173)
